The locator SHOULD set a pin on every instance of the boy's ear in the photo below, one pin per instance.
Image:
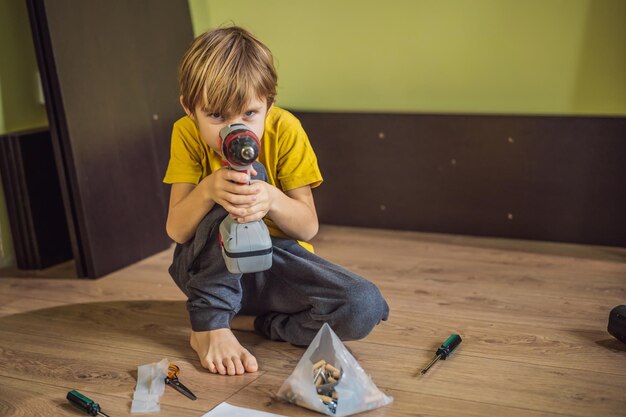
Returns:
(182, 103)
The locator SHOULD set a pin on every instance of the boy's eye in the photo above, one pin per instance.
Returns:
(215, 115)
(249, 113)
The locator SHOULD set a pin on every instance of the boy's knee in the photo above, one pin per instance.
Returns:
(364, 308)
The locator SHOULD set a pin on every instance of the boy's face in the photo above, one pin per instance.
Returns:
(210, 123)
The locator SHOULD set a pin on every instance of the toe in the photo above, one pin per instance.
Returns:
(239, 368)
(210, 366)
(249, 362)
(221, 369)
(205, 364)
(230, 366)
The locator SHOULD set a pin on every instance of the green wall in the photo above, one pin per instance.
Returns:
(19, 96)
(467, 56)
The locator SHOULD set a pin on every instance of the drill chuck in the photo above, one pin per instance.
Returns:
(239, 146)
(249, 153)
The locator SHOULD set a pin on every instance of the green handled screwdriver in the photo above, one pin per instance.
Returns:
(84, 403)
(444, 351)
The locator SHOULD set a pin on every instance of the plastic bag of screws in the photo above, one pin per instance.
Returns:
(325, 378)
(329, 380)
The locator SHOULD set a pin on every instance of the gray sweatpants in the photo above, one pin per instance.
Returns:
(291, 300)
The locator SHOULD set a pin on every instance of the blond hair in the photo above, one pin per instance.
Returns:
(224, 69)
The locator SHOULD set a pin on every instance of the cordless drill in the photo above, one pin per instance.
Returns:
(246, 247)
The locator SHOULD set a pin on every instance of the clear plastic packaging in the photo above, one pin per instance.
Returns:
(150, 387)
(353, 391)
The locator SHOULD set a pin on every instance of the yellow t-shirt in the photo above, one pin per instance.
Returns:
(286, 154)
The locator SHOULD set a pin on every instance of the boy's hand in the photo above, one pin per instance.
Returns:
(257, 209)
(230, 189)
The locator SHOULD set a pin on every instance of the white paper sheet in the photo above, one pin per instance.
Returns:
(227, 410)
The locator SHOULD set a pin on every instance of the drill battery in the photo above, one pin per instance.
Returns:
(246, 247)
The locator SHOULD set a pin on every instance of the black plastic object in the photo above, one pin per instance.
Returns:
(449, 346)
(617, 323)
(84, 404)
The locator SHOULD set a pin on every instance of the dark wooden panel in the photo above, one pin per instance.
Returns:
(544, 178)
(12, 183)
(34, 203)
(110, 81)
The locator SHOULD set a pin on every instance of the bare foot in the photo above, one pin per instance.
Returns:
(220, 352)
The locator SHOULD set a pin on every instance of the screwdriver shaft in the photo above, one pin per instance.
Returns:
(435, 359)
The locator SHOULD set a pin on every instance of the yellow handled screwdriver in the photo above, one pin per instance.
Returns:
(444, 351)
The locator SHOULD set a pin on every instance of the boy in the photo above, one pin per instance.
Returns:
(227, 76)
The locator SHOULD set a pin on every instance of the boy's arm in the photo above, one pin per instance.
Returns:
(188, 206)
(294, 213)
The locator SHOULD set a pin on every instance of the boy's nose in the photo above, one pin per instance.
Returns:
(229, 120)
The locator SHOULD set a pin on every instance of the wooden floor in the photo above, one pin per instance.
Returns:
(533, 318)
